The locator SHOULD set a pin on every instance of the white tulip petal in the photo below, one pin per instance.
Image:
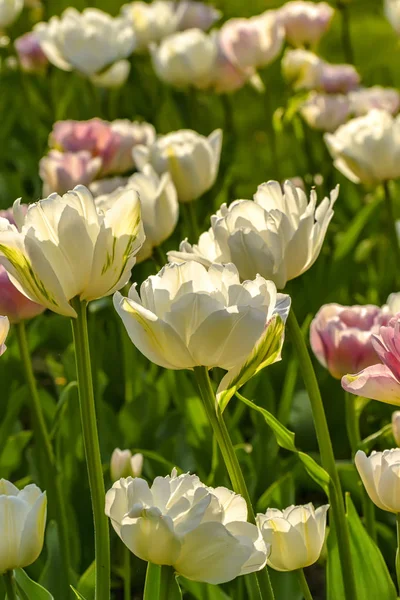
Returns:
(151, 539)
(32, 536)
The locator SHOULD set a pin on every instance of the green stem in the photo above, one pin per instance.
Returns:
(51, 476)
(127, 574)
(301, 578)
(353, 432)
(398, 550)
(231, 461)
(346, 37)
(9, 584)
(128, 352)
(92, 450)
(152, 582)
(327, 456)
(192, 219)
(391, 224)
(166, 580)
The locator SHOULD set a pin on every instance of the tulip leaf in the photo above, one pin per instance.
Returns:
(373, 579)
(266, 352)
(285, 439)
(28, 589)
(77, 594)
(203, 591)
(347, 240)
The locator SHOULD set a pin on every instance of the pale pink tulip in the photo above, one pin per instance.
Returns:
(380, 381)
(341, 337)
(30, 54)
(62, 171)
(338, 79)
(305, 22)
(197, 15)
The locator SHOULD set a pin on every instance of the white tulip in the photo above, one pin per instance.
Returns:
(367, 149)
(159, 206)
(4, 329)
(192, 160)
(365, 99)
(392, 305)
(380, 474)
(278, 235)
(123, 464)
(87, 41)
(151, 22)
(185, 58)
(188, 316)
(22, 525)
(325, 112)
(63, 247)
(9, 11)
(201, 531)
(296, 535)
(396, 426)
(392, 13)
(114, 77)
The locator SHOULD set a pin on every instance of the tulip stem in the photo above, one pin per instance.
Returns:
(51, 475)
(346, 36)
(224, 441)
(301, 578)
(127, 574)
(353, 432)
(392, 225)
(92, 449)
(398, 550)
(327, 455)
(9, 584)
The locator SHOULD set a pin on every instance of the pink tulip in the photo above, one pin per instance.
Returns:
(197, 15)
(338, 79)
(13, 304)
(340, 337)
(380, 381)
(31, 56)
(305, 22)
(61, 172)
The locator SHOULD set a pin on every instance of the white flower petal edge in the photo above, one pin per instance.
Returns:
(4, 329)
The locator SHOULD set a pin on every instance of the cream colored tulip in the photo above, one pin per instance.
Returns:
(201, 531)
(63, 247)
(185, 58)
(86, 42)
(396, 426)
(188, 316)
(305, 22)
(10, 11)
(392, 13)
(114, 77)
(159, 206)
(296, 535)
(152, 21)
(380, 474)
(367, 149)
(325, 112)
(278, 235)
(22, 525)
(124, 464)
(192, 160)
(4, 329)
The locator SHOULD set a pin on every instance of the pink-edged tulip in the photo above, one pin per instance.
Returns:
(380, 381)
(61, 172)
(305, 22)
(30, 54)
(341, 337)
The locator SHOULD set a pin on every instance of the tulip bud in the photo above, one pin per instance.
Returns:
(30, 54)
(192, 160)
(380, 474)
(296, 535)
(193, 14)
(325, 112)
(305, 22)
(123, 464)
(366, 149)
(201, 531)
(392, 13)
(393, 303)
(23, 518)
(61, 172)
(4, 329)
(9, 11)
(396, 426)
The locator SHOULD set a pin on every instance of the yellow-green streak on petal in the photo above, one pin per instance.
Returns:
(144, 324)
(28, 277)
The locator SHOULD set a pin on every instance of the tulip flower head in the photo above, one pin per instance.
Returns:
(61, 171)
(4, 329)
(23, 522)
(341, 337)
(10, 11)
(30, 54)
(396, 426)
(296, 535)
(380, 381)
(191, 159)
(193, 14)
(367, 149)
(325, 112)
(63, 248)
(305, 22)
(87, 42)
(392, 13)
(380, 474)
(278, 234)
(124, 464)
(159, 206)
(363, 100)
(201, 531)
(151, 22)
(114, 77)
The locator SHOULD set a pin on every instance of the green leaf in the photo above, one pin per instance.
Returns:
(70, 390)
(373, 579)
(87, 582)
(161, 578)
(266, 352)
(11, 456)
(285, 439)
(347, 240)
(203, 591)
(28, 589)
(77, 594)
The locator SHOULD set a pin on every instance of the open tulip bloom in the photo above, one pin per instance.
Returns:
(201, 531)
(63, 247)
